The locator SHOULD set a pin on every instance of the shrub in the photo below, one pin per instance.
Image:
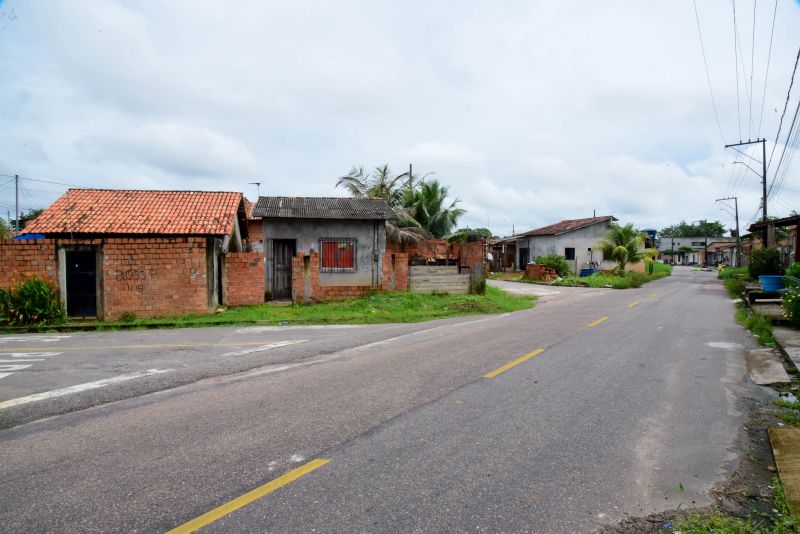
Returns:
(765, 261)
(649, 263)
(31, 302)
(636, 279)
(735, 287)
(793, 275)
(791, 305)
(558, 263)
(731, 272)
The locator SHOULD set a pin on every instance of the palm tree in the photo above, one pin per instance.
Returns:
(431, 211)
(380, 184)
(623, 244)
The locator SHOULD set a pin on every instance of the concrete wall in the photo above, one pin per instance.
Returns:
(369, 236)
(581, 240)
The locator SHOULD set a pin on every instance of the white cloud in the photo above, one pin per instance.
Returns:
(530, 112)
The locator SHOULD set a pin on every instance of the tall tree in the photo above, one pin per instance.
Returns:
(431, 210)
(469, 235)
(624, 244)
(381, 184)
(698, 229)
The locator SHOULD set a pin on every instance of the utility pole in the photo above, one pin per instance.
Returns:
(763, 180)
(410, 178)
(16, 204)
(738, 234)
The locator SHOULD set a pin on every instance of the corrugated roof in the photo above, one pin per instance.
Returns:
(324, 208)
(568, 225)
(107, 211)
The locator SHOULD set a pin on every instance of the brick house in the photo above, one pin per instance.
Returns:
(322, 249)
(146, 253)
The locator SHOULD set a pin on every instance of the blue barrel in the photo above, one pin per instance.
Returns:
(771, 282)
(587, 272)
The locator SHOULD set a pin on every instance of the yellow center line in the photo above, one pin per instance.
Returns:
(634, 304)
(243, 500)
(126, 347)
(652, 295)
(513, 363)
(597, 322)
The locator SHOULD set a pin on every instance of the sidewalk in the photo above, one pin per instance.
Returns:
(788, 340)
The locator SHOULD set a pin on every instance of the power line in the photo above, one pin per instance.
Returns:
(752, 56)
(785, 105)
(766, 77)
(736, 61)
(708, 75)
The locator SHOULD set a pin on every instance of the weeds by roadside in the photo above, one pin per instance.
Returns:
(759, 325)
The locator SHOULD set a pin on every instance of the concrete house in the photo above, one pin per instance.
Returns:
(342, 242)
(146, 253)
(575, 239)
(697, 244)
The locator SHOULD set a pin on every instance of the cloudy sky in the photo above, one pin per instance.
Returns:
(531, 112)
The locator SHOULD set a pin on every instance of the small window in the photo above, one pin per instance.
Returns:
(569, 253)
(337, 255)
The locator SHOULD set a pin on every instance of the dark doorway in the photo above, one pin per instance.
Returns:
(81, 283)
(523, 258)
(283, 251)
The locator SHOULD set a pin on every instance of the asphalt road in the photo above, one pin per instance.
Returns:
(617, 400)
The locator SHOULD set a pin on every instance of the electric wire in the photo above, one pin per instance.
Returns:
(752, 58)
(736, 61)
(708, 75)
(785, 105)
(766, 77)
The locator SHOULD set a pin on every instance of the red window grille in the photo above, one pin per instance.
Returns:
(337, 255)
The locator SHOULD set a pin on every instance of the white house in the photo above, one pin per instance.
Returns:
(578, 240)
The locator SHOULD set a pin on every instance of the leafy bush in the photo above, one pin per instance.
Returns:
(31, 302)
(765, 261)
(759, 325)
(793, 270)
(791, 305)
(735, 287)
(558, 263)
(731, 272)
(648, 265)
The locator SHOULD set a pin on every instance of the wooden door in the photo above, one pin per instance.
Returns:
(283, 251)
(81, 283)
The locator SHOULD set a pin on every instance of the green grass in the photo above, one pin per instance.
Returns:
(399, 307)
(790, 413)
(631, 279)
(758, 325)
(730, 272)
(782, 522)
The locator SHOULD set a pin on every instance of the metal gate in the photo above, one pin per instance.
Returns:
(283, 251)
(81, 283)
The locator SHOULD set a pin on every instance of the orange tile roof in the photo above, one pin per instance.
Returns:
(106, 211)
(568, 225)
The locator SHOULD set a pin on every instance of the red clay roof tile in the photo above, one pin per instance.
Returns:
(104, 211)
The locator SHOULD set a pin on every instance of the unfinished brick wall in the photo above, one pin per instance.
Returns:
(540, 272)
(394, 272)
(153, 277)
(305, 278)
(255, 235)
(328, 293)
(27, 258)
(244, 278)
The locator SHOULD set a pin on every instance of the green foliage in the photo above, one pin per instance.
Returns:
(648, 265)
(702, 228)
(759, 325)
(684, 249)
(660, 270)
(765, 261)
(469, 235)
(429, 204)
(791, 305)
(556, 262)
(31, 302)
(629, 279)
(623, 244)
(381, 184)
(793, 270)
(5, 230)
(735, 287)
(733, 272)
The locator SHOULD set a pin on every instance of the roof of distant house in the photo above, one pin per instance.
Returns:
(568, 225)
(324, 208)
(133, 211)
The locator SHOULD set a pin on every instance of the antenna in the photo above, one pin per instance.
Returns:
(258, 187)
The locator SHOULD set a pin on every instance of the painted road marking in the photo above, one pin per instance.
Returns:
(157, 346)
(513, 363)
(652, 295)
(597, 322)
(21, 357)
(265, 347)
(243, 500)
(634, 304)
(80, 387)
(32, 339)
